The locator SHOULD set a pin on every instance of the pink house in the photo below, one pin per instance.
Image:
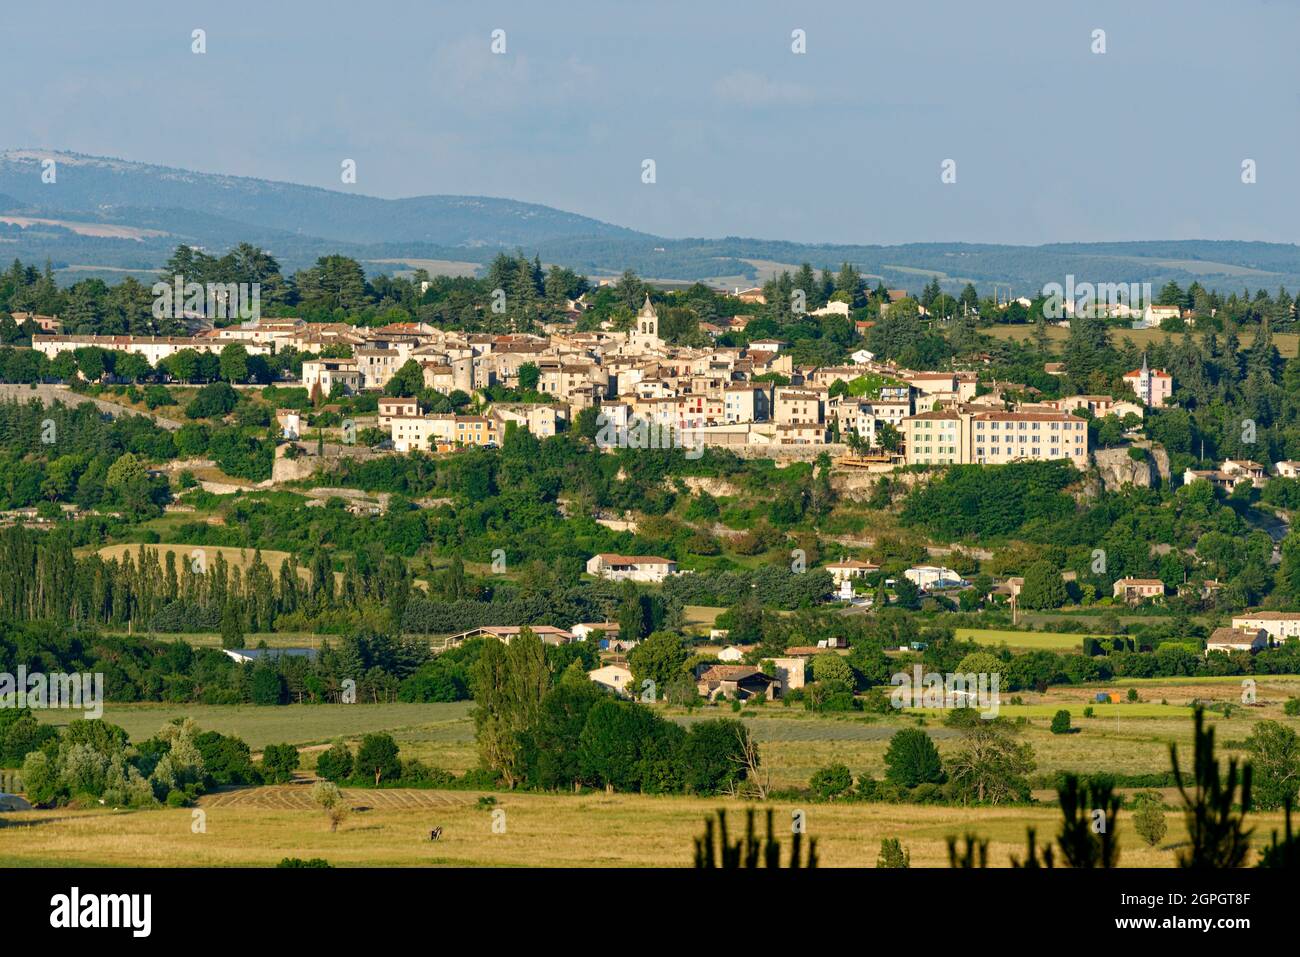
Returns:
(1152, 386)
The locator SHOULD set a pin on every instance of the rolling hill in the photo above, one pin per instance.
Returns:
(146, 210)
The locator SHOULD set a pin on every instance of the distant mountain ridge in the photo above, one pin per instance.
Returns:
(300, 223)
(119, 186)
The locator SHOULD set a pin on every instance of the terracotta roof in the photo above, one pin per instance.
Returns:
(1234, 636)
(614, 559)
(1026, 417)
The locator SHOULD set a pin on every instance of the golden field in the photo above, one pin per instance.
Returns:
(540, 830)
(259, 826)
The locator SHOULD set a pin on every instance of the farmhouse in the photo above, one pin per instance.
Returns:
(1223, 481)
(1134, 590)
(790, 672)
(616, 678)
(1237, 639)
(637, 568)
(290, 422)
(738, 682)
(45, 323)
(850, 568)
(549, 634)
(585, 629)
(1245, 469)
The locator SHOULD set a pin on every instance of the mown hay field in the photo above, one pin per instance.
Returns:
(259, 826)
(540, 830)
(1033, 640)
(289, 724)
(1288, 343)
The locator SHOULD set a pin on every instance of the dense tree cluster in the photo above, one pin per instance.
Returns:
(93, 761)
(536, 730)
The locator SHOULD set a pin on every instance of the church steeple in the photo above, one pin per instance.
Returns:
(647, 320)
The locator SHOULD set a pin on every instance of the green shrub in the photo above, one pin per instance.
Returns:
(335, 764)
(1149, 817)
(279, 761)
(831, 782)
(893, 854)
(377, 758)
(912, 759)
(1061, 722)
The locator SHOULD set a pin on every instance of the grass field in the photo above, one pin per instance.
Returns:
(701, 617)
(1032, 640)
(1288, 343)
(241, 557)
(1090, 621)
(292, 724)
(273, 639)
(540, 830)
(259, 826)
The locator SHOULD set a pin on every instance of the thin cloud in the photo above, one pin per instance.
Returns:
(747, 88)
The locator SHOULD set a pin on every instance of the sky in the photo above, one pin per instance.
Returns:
(843, 143)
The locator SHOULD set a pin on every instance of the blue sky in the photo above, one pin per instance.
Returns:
(842, 144)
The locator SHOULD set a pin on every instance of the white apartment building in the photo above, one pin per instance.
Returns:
(853, 415)
(935, 438)
(795, 406)
(152, 348)
(893, 410)
(951, 437)
(390, 408)
(439, 377)
(1000, 437)
(377, 366)
(539, 418)
(1280, 625)
(422, 433)
(325, 373)
(938, 385)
